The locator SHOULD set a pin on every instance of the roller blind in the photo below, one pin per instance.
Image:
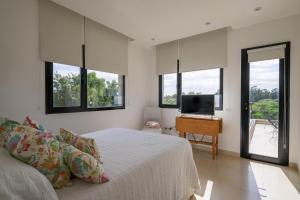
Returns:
(166, 58)
(61, 34)
(106, 49)
(203, 51)
(267, 53)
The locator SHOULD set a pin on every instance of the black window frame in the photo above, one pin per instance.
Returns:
(50, 109)
(179, 90)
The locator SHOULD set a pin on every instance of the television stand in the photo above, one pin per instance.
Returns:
(200, 125)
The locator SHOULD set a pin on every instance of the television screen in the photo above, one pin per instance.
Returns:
(198, 104)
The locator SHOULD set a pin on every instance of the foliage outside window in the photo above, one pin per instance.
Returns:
(264, 89)
(75, 89)
(264, 103)
(66, 86)
(103, 89)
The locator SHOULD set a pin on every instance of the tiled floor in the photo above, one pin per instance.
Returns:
(264, 141)
(234, 178)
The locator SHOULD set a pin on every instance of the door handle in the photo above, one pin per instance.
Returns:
(246, 106)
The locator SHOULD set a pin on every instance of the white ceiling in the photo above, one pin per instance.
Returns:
(167, 20)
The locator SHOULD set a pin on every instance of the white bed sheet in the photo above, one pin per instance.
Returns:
(141, 166)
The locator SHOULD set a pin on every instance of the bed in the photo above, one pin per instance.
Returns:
(140, 166)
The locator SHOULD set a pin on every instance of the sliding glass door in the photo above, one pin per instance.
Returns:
(264, 110)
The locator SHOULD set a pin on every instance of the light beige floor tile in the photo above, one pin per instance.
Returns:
(235, 178)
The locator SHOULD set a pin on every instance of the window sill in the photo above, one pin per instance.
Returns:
(78, 109)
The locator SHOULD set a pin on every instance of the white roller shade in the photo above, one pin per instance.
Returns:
(267, 53)
(106, 49)
(166, 58)
(61, 34)
(203, 51)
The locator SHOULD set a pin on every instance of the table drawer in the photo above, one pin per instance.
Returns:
(201, 126)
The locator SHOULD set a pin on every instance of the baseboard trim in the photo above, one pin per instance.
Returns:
(221, 151)
(294, 165)
(233, 153)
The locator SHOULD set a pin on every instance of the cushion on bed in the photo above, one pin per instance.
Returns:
(41, 151)
(6, 126)
(87, 145)
(83, 165)
(34, 124)
(21, 181)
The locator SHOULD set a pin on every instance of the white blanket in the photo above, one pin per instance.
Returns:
(141, 166)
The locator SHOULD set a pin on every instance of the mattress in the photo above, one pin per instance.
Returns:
(140, 166)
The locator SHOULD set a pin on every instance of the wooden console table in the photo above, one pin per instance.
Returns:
(203, 126)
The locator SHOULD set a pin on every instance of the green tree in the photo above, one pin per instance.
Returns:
(265, 109)
(170, 99)
(66, 90)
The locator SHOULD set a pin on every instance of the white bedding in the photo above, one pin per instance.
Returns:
(141, 166)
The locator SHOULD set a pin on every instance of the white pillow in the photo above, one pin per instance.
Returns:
(21, 181)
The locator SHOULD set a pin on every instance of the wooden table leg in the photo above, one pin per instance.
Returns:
(182, 134)
(217, 144)
(213, 147)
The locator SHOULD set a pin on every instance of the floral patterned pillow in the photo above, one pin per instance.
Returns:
(6, 126)
(40, 150)
(34, 124)
(83, 165)
(87, 145)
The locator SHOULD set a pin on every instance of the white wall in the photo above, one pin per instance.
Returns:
(22, 75)
(287, 29)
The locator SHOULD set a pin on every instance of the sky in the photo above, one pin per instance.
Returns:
(204, 81)
(68, 69)
(264, 74)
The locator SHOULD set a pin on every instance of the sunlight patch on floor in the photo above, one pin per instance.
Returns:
(272, 182)
(207, 193)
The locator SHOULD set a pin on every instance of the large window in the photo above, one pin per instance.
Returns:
(204, 82)
(172, 86)
(168, 97)
(75, 89)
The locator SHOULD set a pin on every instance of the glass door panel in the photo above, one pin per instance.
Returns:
(264, 107)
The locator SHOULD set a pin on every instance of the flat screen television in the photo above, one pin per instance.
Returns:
(198, 104)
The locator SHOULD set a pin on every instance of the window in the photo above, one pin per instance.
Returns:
(172, 86)
(168, 97)
(66, 86)
(204, 82)
(75, 89)
(104, 89)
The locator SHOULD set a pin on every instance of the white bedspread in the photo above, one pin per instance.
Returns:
(141, 166)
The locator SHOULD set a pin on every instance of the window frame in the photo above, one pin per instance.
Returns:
(83, 94)
(179, 90)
